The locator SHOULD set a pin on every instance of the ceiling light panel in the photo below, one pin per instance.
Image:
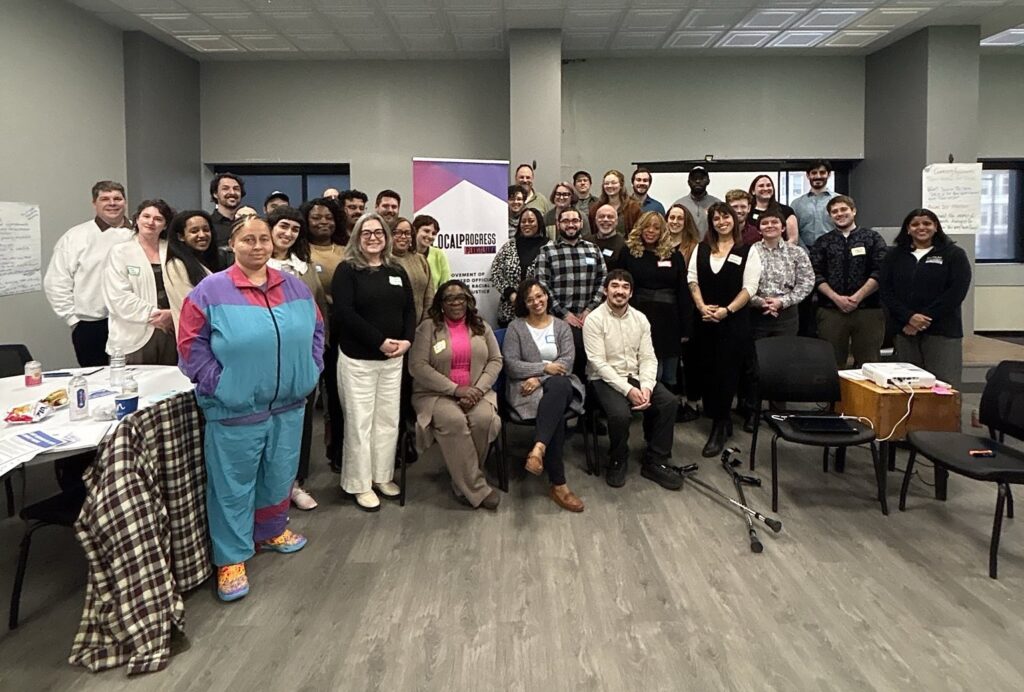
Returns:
(178, 23)
(771, 20)
(692, 39)
(746, 39)
(711, 19)
(650, 20)
(853, 39)
(1010, 37)
(830, 18)
(265, 44)
(799, 39)
(210, 44)
(237, 22)
(418, 22)
(890, 17)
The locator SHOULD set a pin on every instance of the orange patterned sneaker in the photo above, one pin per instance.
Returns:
(232, 583)
(287, 542)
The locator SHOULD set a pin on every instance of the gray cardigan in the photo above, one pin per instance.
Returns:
(523, 361)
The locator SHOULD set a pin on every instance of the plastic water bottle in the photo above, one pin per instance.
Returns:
(78, 398)
(129, 387)
(117, 368)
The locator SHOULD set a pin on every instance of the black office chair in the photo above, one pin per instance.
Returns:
(1002, 411)
(12, 363)
(60, 510)
(798, 369)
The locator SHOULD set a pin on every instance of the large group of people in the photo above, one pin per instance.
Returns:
(614, 303)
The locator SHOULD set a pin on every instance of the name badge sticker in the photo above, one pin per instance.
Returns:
(933, 260)
(133, 271)
(440, 346)
(549, 338)
(395, 280)
(665, 263)
(735, 259)
(589, 261)
(319, 269)
(607, 252)
(858, 251)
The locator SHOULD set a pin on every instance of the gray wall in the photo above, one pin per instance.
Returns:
(1001, 99)
(952, 94)
(161, 89)
(374, 115)
(615, 112)
(63, 129)
(535, 103)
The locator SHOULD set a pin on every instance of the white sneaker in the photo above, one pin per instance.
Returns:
(368, 501)
(302, 499)
(389, 489)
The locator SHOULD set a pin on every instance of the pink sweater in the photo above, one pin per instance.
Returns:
(461, 352)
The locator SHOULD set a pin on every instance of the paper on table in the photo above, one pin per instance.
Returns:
(855, 375)
(17, 448)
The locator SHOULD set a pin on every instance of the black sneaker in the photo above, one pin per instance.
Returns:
(686, 414)
(662, 475)
(615, 474)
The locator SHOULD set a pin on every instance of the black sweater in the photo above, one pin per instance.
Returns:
(371, 305)
(935, 286)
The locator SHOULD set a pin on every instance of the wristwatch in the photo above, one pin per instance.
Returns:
(727, 310)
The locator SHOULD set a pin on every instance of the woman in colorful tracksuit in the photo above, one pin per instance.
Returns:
(251, 339)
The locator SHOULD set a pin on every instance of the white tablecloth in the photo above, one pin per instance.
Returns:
(156, 382)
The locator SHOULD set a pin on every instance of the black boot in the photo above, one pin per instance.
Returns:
(726, 429)
(716, 440)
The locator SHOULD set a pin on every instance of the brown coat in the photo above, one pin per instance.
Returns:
(431, 366)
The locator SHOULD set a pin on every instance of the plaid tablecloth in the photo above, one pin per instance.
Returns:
(144, 531)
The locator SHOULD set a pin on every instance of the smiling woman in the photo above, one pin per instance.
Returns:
(191, 257)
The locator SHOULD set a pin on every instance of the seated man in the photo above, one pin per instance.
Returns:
(622, 369)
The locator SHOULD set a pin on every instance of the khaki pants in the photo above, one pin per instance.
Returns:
(463, 439)
(860, 331)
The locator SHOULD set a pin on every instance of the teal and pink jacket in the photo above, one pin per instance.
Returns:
(251, 350)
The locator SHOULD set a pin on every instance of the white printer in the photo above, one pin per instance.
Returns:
(898, 374)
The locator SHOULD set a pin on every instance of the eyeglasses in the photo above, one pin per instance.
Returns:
(378, 234)
(402, 234)
(455, 299)
(563, 194)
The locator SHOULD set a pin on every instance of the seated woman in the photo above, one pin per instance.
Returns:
(141, 326)
(924, 281)
(454, 363)
(539, 354)
(191, 257)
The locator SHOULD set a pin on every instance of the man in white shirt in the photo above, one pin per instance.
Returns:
(622, 369)
(74, 277)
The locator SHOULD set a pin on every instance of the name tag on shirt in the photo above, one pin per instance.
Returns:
(395, 280)
(858, 251)
(607, 252)
(735, 259)
(933, 260)
(133, 271)
(589, 261)
(549, 338)
(319, 269)
(440, 346)
(668, 263)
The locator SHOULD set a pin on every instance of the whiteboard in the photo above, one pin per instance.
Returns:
(20, 264)
(953, 192)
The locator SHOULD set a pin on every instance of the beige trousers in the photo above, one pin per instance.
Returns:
(462, 437)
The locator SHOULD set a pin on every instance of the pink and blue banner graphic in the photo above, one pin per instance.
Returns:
(469, 200)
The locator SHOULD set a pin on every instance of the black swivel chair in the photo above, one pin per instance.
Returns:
(1002, 412)
(798, 369)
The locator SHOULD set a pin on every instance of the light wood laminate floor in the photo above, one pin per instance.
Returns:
(646, 590)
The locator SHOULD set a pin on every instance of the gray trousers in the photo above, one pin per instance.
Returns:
(942, 356)
(860, 331)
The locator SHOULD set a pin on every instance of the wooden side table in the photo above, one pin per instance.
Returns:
(884, 407)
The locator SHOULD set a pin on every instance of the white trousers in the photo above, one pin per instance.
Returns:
(370, 394)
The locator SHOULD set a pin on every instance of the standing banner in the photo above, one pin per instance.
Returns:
(469, 200)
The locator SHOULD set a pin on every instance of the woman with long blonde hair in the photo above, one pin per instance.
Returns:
(613, 192)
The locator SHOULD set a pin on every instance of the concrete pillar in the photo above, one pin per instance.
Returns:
(535, 103)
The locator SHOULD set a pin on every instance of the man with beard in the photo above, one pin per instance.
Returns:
(274, 200)
(641, 182)
(698, 201)
(226, 191)
(605, 236)
(353, 204)
(741, 202)
(622, 368)
(524, 178)
(581, 182)
(388, 204)
(573, 271)
(811, 213)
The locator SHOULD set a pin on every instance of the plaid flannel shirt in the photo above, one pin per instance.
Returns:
(144, 531)
(574, 274)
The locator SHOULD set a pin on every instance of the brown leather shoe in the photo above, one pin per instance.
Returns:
(565, 498)
(492, 501)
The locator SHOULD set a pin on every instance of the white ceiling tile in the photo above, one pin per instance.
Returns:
(126, 21)
(236, 22)
(418, 22)
(745, 39)
(638, 40)
(408, 4)
(769, 19)
(585, 41)
(889, 17)
(799, 39)
(165, 6)
(650, 20)
(319, 43)
(339, 5)
(591, 20)
(421, 45)
(691, 39)
(372, 44)
(361, 23)
(830, 18)
(711, 19)
(851, 38)
(179, 23)
(211, 44)
(204, 6)
(473, 4)
(530, 5)
(475, 22)
(279, 5)
(476, 43)
(265, 44)
(296, 22)
(539, 18)
(96, 5)
(1010, 37)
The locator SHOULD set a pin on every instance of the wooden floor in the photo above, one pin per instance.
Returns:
(646, 590)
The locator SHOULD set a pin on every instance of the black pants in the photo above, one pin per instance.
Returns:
(90, 342)
(334, 412)
(659, 422)
(550, 428)
(762, 327)
(807, 310)
(579, 365)
(307, 439)
(691, 371)
(723, 348)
